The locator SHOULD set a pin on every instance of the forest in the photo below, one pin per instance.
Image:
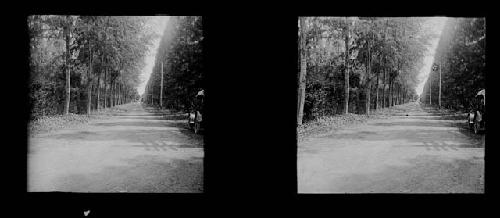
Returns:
(82, 64)
(461, 58)
(357, 65)
(178, 71)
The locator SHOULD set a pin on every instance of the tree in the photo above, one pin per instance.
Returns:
(181, 54)
(461, 53)
(344, 56)
(67, 32)
(94, 46)
(302, 72)
(347, 35)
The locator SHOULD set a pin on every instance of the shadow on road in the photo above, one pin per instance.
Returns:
(426, 117)
(409, 178)
(414, 123)
(134, 135)
(144, 124)
(417, 136)
(145, 173)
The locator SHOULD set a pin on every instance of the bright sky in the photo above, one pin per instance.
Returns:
(158, 24)
(435, 24)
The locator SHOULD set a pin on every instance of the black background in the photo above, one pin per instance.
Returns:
(250, 139)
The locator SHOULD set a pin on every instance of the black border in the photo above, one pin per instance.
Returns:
(250, 141)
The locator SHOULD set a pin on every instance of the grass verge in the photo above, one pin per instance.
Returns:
(327, 124)
(48, 124)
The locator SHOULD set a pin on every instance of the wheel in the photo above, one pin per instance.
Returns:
(476, 126)
(191, 121)
(196, 127)
(469, 123)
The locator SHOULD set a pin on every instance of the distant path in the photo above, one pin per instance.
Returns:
(418, 153)
(134, 151)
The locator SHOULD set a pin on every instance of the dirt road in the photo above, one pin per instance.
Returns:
(133, 151)
(419, 153)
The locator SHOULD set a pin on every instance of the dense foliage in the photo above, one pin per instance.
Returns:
(180, 56)
(378, 57)
(461, 53)
(79, 64)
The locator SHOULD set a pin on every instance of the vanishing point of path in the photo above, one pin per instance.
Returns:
(420, 153)
(134, 151)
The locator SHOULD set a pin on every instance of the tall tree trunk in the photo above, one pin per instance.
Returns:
(114, 93)
(395, 93)
(89, 83)
(390, 93)
(403, 95)
(302, 73)
(391, 86)
(98, 91)
(111, 92)
(161, 86)
(94, 96)
(398, 99)
(376, 91)
(383, 86)
(399, 95)
(368, 93)
(402, 99)
(368, 74)
(115, 99)
(117, 92)
(89, 98)
(105, 96)
(120, 97)
(346, 72)
(66, 31)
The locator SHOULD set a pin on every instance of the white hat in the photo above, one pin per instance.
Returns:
(482, 92)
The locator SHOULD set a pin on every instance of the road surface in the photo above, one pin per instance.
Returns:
(133, 151)
(419, 153)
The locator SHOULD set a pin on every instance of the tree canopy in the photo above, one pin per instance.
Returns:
(461, 55)
(379, 56)
(181, 54)
(100, 55)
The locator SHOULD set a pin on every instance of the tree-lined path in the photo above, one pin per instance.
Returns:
(83, 68)
(133, 151)
(420, 153)
(351, 68)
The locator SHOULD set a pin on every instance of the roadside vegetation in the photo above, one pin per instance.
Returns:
(461, 58)
(326, 124)
(357, 65)
(83, 66)
(355, 68)
(46, 124)
(178, 71)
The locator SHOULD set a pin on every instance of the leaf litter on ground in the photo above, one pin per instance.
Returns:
(48, 124)
(328, 124)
